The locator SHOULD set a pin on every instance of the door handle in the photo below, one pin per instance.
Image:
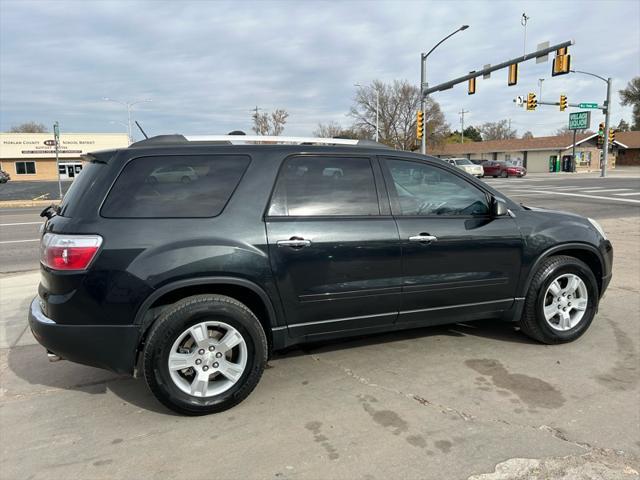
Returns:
(294, 242)
(423, 238)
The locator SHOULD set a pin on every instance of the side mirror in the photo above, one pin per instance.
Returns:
(498, 207)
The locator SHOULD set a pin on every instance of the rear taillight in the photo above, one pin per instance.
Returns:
(68, 252)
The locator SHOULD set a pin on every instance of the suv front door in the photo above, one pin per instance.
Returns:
(333, 245)
(457, 261)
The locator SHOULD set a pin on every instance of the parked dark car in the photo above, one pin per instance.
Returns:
(4, 176)
(497, 168)
(195, 283)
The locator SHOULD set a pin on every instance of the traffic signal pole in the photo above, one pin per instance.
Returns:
(605, 148)
(423, 103)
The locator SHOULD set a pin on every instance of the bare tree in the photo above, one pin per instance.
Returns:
(563, 131)
(398, 103)
(328, 130)
(497, 131)
(527, 135)
(29, 127)
(270, 123)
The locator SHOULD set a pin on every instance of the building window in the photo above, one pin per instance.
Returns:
(26, 168)
(507, 157)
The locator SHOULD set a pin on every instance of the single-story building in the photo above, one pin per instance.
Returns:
(631, 154)
(541, 154)
(32, 156)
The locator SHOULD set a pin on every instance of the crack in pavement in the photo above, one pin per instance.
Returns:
(554, 432)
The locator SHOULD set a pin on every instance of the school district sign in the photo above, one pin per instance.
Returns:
(579, 120)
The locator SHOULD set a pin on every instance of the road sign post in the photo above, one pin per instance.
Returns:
(56, 136)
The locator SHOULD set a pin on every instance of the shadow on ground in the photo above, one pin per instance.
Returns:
(30, 363)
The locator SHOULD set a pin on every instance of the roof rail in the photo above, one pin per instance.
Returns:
(243, 139)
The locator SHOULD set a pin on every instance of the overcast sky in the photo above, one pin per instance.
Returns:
(206, 64)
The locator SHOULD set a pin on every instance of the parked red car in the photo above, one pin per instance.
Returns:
(503, 169)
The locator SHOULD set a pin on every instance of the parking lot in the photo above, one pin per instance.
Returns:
(464, 401)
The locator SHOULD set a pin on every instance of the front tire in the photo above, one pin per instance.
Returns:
(562, 301)
(204, 354)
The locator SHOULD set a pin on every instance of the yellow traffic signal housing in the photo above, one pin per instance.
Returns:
(419, 124)
(561, 63)
(513, 74)
(532, 101)
(612, 135)
(563, 103)
(600, 137)
(472, 85)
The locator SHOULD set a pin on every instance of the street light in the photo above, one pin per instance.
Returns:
(423, 84)
(377, 109)
(128, 106)
(540, 80)
(607, 116)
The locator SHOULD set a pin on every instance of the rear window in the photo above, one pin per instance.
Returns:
(80, 188)
(175, 186)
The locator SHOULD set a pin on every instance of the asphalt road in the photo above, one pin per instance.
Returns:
(474, 401)
(31, 190)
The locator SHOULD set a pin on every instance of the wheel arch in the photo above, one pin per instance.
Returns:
(243, 290)
(585, 252)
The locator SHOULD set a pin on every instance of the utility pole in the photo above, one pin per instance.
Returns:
(462, 112)
(56, 137)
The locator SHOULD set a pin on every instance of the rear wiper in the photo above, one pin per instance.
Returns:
(51, 211)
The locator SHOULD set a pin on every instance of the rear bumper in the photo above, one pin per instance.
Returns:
(103, 346)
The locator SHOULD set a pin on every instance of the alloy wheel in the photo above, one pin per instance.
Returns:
(207, 359)
(565, 302)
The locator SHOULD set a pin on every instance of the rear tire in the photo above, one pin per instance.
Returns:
(547, 306)
(206, 383)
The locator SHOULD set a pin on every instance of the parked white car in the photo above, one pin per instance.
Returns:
(468, 166)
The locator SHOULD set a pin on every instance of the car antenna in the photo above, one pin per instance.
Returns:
(138, 125)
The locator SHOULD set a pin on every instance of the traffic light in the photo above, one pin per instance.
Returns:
(512, 78)
(472, 85)
(532, 102)
(563, 103)
(600, 138)
(420, 124)
(561, 63)
(612, 135)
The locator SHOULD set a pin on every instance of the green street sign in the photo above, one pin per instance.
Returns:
(579, 120)
(588, 105)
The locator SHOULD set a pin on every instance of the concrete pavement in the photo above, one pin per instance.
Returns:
(466, 401)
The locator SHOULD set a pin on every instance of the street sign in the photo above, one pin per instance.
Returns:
(588, 105)
(579, 120)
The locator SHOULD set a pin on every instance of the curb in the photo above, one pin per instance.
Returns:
(26, 203)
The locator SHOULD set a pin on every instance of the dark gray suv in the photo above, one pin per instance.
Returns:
(194, 278)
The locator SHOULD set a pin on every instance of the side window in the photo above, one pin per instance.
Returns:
(175, 186)
(316, 186)
(426, 190)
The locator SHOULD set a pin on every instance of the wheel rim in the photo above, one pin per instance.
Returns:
(207, 359)
(565, 302)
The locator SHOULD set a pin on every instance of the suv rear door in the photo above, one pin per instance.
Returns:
(333, 245)
(457, 261)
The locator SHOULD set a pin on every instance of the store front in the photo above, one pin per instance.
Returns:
(32, 156)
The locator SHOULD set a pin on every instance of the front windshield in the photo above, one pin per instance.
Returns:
(464, 161)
